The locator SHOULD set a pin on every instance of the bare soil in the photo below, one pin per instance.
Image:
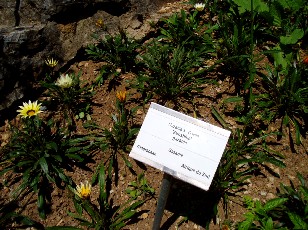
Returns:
(184, 201)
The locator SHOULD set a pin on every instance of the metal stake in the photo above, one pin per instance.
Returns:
(162, 200)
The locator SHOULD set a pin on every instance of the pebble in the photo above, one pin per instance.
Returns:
(270, 196)
(164, 10)
(263, 193)
(291, 177)
(144, 215)
(276, 170)
(271, 179)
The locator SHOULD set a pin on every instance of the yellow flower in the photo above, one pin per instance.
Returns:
(199, 6)
(29, 109)
(100, 23)
(84, 190)
(121, 95)
(51, 62)
(64, 81)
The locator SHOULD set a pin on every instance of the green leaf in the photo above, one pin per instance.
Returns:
(75, 157)
(245, 5)
(110, 167)
(233, 99)
(127, 162)
(303, 183)
(81, 115)
(22, 163)
(127, 212)
(44, 165)
(219, 118)
(269, 224)
(58, 158)
(91, 211)
(271, 204)
(6, 170)
(77, 206)
(41, 204)
(52, 145)
(297, 132)
(291, 4)
(245, 225)
(127, 215)
(61, 174)
(132, 133)
(102, 185)
(292, 38)
(298, 222)
(79, 218)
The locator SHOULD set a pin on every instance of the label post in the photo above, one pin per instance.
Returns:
(180, 146)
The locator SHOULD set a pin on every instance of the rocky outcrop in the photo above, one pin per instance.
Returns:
(32, 30)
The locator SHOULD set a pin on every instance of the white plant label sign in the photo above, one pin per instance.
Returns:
(182, 146)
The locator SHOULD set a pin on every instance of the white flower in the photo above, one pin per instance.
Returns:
(199, 6)
(64, 81)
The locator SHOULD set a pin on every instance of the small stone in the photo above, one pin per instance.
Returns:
(139, 112)
(195, 226)
(291, 177)
(164, 10)
(271, 179)
(231, 122)
(144, 216)
(276, 170)
(270, 196)
(135, 24)
(263, 193)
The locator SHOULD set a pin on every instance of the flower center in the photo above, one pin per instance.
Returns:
(85, 193)
(30, 112)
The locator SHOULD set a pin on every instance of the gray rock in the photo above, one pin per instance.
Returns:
(32, 30)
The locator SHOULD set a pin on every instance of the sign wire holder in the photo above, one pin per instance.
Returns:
(162, 200)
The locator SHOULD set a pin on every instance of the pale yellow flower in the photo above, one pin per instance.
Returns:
(64, 81)
(51, 62)
(100, 23)
(29, 109)
(199, 6)
(84, 190)
(121, 95)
